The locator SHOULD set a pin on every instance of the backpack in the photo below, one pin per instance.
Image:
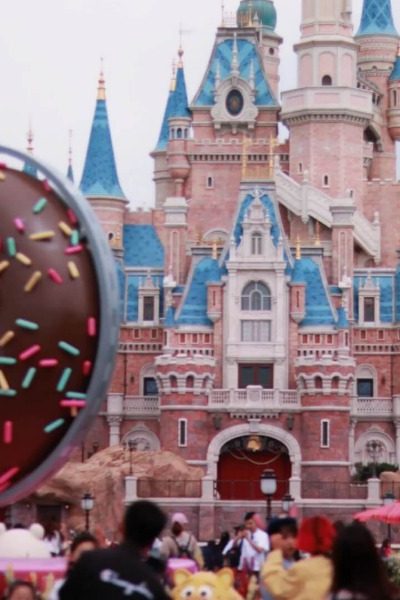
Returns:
(183, 551)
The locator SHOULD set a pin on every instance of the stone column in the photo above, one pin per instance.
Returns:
(397, 425)
(374, 490)
(130, 489)
(114, 424)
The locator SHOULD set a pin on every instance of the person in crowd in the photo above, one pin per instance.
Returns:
(181, 543)
(83, 542)
(121, 572)
(386, 549)
(21, 590)
(254, 549)
(308, 579)
(285, 532)
(53, 538)
(358, 571)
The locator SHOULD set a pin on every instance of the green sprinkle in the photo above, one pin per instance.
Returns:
(39, 206)
(54, 425)
(62, 382)
(69, 348)
(76, 395)
(9, 393)
(30, 374)
(11, 246)
(27, 324)
(74, 238)
(7, 360)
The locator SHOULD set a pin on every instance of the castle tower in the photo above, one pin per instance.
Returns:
(378, 43)
(327, 100)
(394, 101)
(99, 181)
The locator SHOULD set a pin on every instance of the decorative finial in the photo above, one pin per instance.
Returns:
(173, 78)
(29, 138)
(222, 13)
(180, 49)
(101, 90)
(298, 248)
(70, 148)
(235, 60)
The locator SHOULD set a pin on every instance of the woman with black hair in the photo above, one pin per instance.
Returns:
(359, 573)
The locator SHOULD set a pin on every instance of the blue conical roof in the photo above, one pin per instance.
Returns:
(395, 74)
(100, 178)
(377, 18)
(177, 106)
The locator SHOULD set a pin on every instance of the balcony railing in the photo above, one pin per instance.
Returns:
(372, 407)
(142, 406)
(254, 398)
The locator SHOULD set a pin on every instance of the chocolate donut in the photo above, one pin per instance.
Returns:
(58, 324)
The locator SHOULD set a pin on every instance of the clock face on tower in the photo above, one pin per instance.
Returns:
(234, 102)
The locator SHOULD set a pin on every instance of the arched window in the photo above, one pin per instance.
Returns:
(394, 98)
(179, 133)
(256, 296)
(326, 181)
(256, 243)
(327, 80)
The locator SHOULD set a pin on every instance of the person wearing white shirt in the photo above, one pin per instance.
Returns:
(255, 545)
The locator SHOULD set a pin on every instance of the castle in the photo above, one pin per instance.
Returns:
(260, 297)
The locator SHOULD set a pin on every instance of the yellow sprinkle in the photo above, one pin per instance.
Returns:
(73, 270)
(65, 228)
(7, 337)
(4, 264)
(3, 382)
(23, 258)
(43, 235)
(2, 176)
(32, 281)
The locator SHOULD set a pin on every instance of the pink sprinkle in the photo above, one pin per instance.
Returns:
(19, 224)
(73, 403)
(29, 352)
(74, 249)
(91, 326)
(72, 217)
(46, 185)
(55, 276)
(3, 166)
(8, 475)
(8, 432)
(86, 367)
(48, 362)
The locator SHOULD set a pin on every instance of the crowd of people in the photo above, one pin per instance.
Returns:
(313, 560)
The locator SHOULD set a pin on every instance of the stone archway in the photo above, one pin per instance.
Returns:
(246, 429)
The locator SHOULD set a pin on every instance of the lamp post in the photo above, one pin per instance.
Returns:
(131, 446)
(389, 498)
(87, 504)
(287, 503)
(374, 449)
(268, 487)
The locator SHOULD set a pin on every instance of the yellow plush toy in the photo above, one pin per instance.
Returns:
(204, 585)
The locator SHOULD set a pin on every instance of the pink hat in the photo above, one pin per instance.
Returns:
(179, 518)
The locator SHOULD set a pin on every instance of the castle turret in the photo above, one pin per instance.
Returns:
(327, 100)
(394, 101)
(100, 183)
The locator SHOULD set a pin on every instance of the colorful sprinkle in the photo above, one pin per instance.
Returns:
(86, 367)
(66, 229)
(8, 475)
(8, 393)
(69, 348)
(76, 395)
(8, 430)
(54, 425)
(25, 260)
(73, 403)
(74, 249)
(72, 217)
(29, 376)
(7, 360)
(4, 264)
(3, 382)
(42, 236)
(46, 186)
(39, 206)
(55, 276)
(91, 326)
(73, 270)
(19, 225)
(7, 337)
(27, 324)
(62, 382)
(48, 362)
(33, 281)
(11, 246)
(74, 238)
(30, 352)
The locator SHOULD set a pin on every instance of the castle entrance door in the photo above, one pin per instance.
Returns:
(241, 463)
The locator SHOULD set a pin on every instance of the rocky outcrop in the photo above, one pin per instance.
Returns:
(159, 474)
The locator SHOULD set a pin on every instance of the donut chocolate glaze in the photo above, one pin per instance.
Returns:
(50, 322)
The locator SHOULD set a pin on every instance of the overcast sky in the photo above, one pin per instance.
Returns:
(50, 59)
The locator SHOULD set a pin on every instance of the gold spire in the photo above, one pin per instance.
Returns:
(298, 248)
(101, 90)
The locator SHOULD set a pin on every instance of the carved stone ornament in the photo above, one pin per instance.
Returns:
(234, 104)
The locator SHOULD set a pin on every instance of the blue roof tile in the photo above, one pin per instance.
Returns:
(142, 247)
(177, 106)
(100, 178)
(194, 307)
(397, 290)
(377, 18)
(222, 59)
(386, 285)
(395, 74)
(318, 309)
(270, 209)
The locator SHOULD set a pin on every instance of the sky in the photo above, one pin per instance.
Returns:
(50, 56)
